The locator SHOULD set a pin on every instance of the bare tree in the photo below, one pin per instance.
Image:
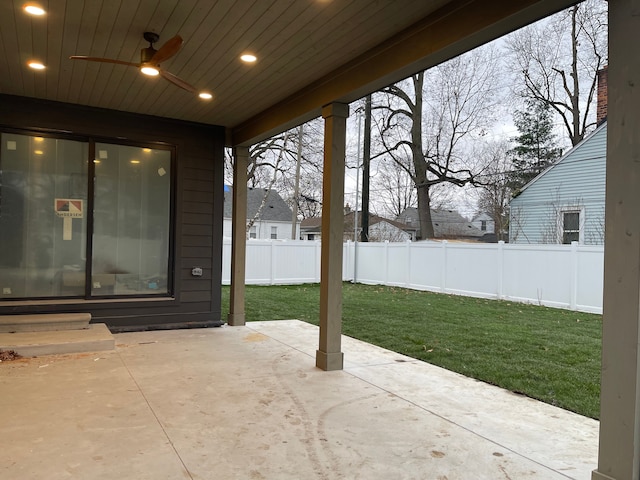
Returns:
(427, 119)
(595, 235)
(272, 166)
(517, 222)
(394, 188)
(275, 170)
(309, 198)
(494, 191)
(557, 60)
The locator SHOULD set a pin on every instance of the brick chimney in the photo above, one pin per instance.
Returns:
(601, 111)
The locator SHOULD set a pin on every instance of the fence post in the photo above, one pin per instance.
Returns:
(500, 269)
(408, 281)
(386, 262)
(443, 279)
(317, 262)
(346, 260)
(272, 256)
(573, 301)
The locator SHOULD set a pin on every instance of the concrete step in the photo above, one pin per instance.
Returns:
(95, 338)
(44, 322)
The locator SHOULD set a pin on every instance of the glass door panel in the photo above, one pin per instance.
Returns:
(131, 221)
(43, 199)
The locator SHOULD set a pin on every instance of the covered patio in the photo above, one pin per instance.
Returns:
(318, 56)
(247, 403)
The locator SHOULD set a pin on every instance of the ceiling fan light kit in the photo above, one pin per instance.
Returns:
(149, 70)
(34, 9)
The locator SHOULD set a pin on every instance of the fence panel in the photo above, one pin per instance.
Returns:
(590, 279)
(427, 264)
(565, 276)
(538, 274)
(471, 270)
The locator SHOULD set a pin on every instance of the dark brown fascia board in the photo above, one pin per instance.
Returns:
(458, 27)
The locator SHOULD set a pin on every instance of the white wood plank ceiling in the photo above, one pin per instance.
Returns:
(297, 42)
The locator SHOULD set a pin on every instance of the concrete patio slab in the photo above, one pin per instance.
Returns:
(248, 403)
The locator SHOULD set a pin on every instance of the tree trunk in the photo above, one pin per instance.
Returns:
(578, 134)
(366, 170)
(419, 162)
(424, 212)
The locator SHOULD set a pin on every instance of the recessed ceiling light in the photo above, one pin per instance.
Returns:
(34, 9)
(38, 139)
(36, 65)
(248, 58)
(135, 162)
(38, 152)
(146, 150)
(205, 95)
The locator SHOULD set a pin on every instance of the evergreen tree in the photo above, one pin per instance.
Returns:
(536, 147)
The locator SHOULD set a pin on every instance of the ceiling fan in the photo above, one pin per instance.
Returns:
(150, 59)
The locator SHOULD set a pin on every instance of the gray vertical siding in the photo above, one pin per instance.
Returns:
(576, 181)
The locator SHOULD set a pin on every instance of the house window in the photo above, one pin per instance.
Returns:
(483, 225)
(58, 230)
(253, 232)
(274, 233)
(570, 227)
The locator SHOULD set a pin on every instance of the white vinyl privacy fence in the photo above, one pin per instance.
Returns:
(564, 276)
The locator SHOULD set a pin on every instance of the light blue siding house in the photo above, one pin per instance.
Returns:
(565, 203)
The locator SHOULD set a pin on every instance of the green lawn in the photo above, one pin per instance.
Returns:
(549, 354)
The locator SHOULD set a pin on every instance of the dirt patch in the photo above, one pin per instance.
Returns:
(8, 355)
(255, 337)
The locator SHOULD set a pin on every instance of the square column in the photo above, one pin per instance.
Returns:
(329, 355)
(619, 453)
(236, 315)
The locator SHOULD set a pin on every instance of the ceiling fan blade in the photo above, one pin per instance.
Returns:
(178, 81)
(103, 60)
(168, 50)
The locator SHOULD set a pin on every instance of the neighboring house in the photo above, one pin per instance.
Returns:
(447, 224)
(565, 202)
(483, 222)
(273, 220)
(380, 229)
(310, 228)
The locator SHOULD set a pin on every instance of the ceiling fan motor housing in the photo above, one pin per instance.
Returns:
(146, 54)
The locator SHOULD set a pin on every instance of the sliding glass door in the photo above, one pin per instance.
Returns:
(46, 219)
